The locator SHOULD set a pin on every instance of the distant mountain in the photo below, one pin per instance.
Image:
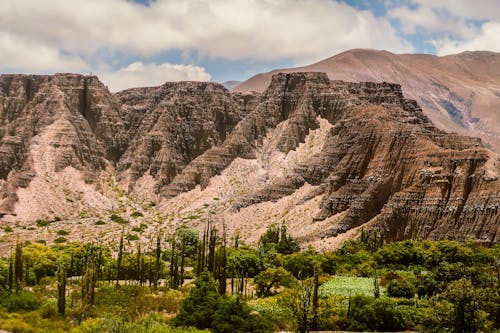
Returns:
(230, 85)
(325, 157)
(459, 93)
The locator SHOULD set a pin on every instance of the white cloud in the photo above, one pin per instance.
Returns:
(487, 39)
(17, 53)
(260, 30)
(453, 26)
(139, 74)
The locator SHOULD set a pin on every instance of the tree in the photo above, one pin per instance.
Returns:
(276, 239)
(235, 316)
(300, 301)
(303, 264)
(18, 266)
(272, 278)
(242, 264)
(460, 308)
(61, 275)
(199, 307)
(184, 244)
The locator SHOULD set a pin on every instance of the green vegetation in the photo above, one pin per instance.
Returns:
(8, 229)
(366, 285)
(60, 240)
(42, 223)
(118, 219)
(62, 232)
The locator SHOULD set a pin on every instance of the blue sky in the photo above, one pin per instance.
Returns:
(137, 43)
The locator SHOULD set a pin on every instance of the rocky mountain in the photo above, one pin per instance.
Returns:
(459, 93)
(327, 158)
(231, 84)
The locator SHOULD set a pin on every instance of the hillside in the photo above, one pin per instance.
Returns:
(326, 157)
(459, 93)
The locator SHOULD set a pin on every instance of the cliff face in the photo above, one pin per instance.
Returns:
(380, 162)
(50, 123)
(171, 125)
(326, 157)
(459, 93)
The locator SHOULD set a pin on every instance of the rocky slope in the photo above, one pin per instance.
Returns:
(326, 157)
(459, 93)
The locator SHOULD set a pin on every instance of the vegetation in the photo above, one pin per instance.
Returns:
(195, 282)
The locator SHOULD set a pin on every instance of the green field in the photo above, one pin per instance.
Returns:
(348, 286)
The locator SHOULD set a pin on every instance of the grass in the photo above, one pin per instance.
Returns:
(348, 286)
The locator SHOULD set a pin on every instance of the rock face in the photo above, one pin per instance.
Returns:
(50, 123)
(382, 161)
(171, 125)
(459, 93)
(326, 157)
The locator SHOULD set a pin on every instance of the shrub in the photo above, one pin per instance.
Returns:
(21, 301)
(132, 237)
(8, 229)
(60, 240)
(62, 232)
(49, 310)
(118, 219)
(136, 214)
(42, 223)
(401, 288)
(99, 222)
(381, 314)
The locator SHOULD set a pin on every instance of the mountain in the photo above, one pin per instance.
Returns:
(229, 85)
(327, 158)
(459, 93)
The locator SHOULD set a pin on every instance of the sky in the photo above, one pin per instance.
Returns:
(131, 43)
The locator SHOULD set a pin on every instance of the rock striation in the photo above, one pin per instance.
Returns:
(327, 157)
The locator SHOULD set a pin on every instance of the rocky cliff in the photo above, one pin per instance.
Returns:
(459, 93)
(326, 157)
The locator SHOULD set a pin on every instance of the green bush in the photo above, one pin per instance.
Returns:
(62, 232)
(401, 288)
(99, 222)
(380, 314)
(132, 237)
(8, 229)
(49, 310)
(42, 223)
(118, 219)
(136, 214)
(21, 301)
(60, 240)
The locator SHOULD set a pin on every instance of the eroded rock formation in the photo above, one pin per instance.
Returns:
(326, 157)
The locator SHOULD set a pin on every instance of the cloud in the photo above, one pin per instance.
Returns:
(451, 26)
(487, 39)
(19, 54)
(138, 74)
(260, 30)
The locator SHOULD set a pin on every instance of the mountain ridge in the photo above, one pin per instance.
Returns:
(460, 93)
(327, 157)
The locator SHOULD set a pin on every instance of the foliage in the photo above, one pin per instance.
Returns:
(401, 288)
(380, 314)
(268, 281)
(21, 301)
(460, 308)
(276, 239)
(303, 264)
(347, 286)
(42, 223)
(118, 219)
(198, 308)
(234, 315)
